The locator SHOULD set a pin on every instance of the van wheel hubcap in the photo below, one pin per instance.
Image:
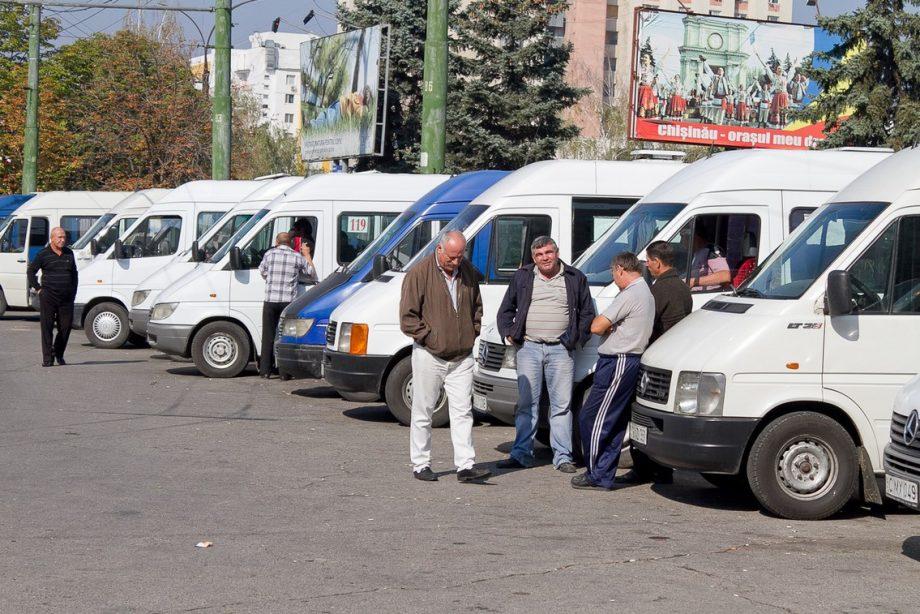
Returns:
(807, 468)
(407, 397)
(220, 350)
(106, 326)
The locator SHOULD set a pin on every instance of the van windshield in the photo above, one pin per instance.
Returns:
(805, 255)
(632, 233)
(93, 231)
(459, 223)
(395, 227)
(237, 236)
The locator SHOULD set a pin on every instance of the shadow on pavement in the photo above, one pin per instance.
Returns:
(319, 392)
(690, 489)
(101, 362)
(371, 413)
(193, 371)
(19, 317)
(911, 548)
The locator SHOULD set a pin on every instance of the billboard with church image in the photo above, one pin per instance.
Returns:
(707, 80)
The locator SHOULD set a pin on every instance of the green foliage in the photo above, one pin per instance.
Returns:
(871, 78)
(259, 149)
(14, 36)
(512, 86)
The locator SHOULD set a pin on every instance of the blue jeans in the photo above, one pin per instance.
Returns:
(534, 362)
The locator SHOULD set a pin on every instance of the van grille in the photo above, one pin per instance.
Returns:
(491, 355)
(482, 387)
(653, 384)
(330, 335)
(899, 454)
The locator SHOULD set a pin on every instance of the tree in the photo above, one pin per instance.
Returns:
(259, 149)
(514, 91)
(773, 61)
(870, 79)
(14, 36)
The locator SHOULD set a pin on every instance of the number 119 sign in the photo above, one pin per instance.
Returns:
(358, 225)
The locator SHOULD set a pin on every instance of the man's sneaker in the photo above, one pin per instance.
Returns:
(566, 467)
(510, 463)
(583, 482)
(472, 474)
(425, 475)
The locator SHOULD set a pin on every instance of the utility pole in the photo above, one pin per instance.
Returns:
(30, 146)
(221, 105)
(434, 89)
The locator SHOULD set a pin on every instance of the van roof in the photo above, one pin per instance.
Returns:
(139, 199)
(73, 200)
(11, 202)
(582, 177)
(461, 188)
(363, 186)
(886, 181)
(211, 191)
(759, 169)
(271, 189)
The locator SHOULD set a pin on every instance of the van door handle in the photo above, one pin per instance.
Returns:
(20, 261)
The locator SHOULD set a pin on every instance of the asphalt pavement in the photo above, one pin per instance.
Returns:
(114, 467)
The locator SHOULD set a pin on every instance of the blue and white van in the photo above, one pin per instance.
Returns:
(299, 349)
(9, 204)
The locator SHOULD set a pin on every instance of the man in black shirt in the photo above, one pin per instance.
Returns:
(55, 294)
(673, 301)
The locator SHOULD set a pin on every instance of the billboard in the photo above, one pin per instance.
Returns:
(340, 86)
(708, 80)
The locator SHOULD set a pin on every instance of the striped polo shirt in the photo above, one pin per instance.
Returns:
(548, 316)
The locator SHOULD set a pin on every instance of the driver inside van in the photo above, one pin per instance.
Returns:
(709, 270)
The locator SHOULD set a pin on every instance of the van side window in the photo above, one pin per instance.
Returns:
(707, 242)
(76, 226)
(799, 215)
(39, 233)
(14, 239)
(869, 275)
(252, 254)
(157, 235)
(205, 220)
(477, 248)
(357, 230)
(415, 239)
(510, 245)
(906, 293)
(592, 217)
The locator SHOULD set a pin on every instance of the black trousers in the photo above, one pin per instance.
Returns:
(271, 314)
(54, 310)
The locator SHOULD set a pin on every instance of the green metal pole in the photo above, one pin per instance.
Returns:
(221, 105)
(434, 89)
(30, 145)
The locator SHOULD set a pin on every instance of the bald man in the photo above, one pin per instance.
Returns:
(56, 292)
(441, 309)
(281, 268)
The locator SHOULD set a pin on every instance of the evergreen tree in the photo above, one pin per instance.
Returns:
(787, 64)
(772, 61)
(514, 90)
(870, 79)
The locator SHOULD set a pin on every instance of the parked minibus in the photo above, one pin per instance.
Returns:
(113, 224)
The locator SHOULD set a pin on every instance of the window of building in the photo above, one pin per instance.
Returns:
(289, 98)
(741, 15)
(264, 106)
(612, 11)
(772, 18)
(714, 12)
(289, 118)
(289, 80)
(611, 37)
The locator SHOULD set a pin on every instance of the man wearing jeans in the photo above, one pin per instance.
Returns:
(441, 309)
(546, 314)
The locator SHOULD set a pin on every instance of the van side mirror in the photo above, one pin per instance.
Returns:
(94, 247)
(839, 296)
(236, 259)
(119, 250)
(380, 266)
(196, 255)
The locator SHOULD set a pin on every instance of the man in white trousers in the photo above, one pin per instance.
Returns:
(441, 309)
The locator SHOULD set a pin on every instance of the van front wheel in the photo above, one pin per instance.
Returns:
(221, 349)
(106, 326)
(398, 395)
(803, 466)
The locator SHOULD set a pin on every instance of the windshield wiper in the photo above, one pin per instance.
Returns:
(749, 292)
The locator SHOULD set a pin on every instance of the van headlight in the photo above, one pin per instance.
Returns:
(296, 327)
(700, 394)
(353, 338)
(139, 297)
(510, 359)
(161, 311)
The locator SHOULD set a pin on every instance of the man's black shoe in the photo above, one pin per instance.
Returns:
(566, 467)
(425, 475)
(473, 474)
(583, 482)
(265, 375)
(48, 364)
(510, 463)
(61, 361)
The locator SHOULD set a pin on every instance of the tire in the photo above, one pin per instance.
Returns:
(803, 466)
(397, 393)
(3, 303)
(735, 483)
(221, 349)
(106, 325)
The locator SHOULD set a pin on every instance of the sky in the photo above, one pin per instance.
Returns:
(257, 17)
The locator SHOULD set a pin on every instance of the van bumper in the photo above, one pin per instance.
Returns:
(138, 320)
(299, 360)
(501, 395)
(356, 376)
(710, 445)
(78, 309)
(170, 338)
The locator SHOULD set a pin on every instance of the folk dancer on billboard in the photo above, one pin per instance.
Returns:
(798, 88)
(720, 88)
(648, 75)
(677, 104)
(766, 103)
(662, 94)
(779, 82)
(743, 107)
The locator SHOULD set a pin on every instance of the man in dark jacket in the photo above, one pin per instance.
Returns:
(673, 301)
(55, 294)
(441, 309)
(546, 314)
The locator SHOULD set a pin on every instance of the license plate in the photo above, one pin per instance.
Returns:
(904, 491)
(479, 402)
(638, 433)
